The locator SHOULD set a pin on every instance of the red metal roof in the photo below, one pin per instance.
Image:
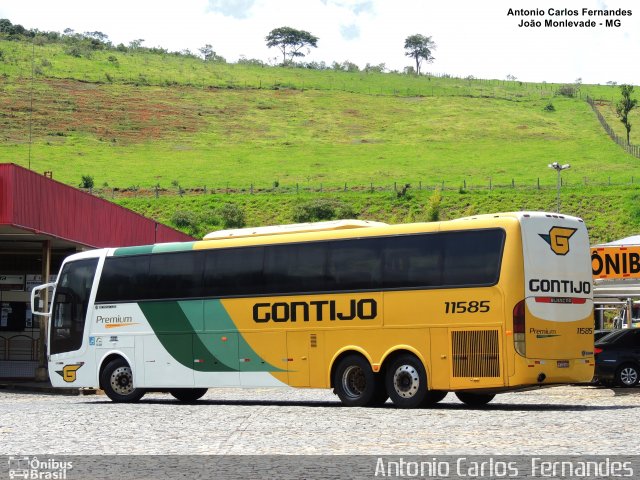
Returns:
(38, 204)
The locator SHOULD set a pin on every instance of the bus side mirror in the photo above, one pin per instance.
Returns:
(36, 299)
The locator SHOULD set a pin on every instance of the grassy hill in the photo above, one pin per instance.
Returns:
(135, 120)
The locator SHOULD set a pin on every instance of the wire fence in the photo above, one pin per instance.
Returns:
(628, 147)
(399, 188)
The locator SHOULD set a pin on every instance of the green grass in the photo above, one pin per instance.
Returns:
(125, 135)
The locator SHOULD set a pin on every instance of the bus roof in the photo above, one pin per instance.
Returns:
(291, 228)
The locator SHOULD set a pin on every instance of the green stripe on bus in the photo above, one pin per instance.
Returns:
(142, 249)
(157, 248)
(215, 346)
(172, 247)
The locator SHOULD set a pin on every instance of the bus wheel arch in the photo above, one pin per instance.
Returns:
(355, 382)
(116, 379)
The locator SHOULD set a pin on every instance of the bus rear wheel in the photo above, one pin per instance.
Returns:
(475, 399)
(355, 383)
(406, 381)
(188, 394)
(117, 382)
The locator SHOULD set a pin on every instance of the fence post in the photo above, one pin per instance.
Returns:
(489, 183)
(251, 189)
(538, 183)
(513, 183)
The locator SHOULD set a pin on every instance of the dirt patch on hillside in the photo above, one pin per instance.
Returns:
(113, 113)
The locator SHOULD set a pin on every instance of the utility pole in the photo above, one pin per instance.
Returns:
(558, 168)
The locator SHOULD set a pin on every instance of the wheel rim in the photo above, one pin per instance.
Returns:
(353, 382)
(122, 381)
(629, 376)
(406, 381)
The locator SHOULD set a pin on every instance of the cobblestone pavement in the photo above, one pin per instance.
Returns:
(562, 420)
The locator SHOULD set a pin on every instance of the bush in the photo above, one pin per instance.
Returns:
(184, 219)
(549, 107)
(321, 209)
(570, 91)
(433, 208)
(232, 216)
(86, 182)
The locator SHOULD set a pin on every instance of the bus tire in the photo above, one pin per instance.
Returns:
(188, 394)
(406, 381)
(475, 399)
(432, 397)
(355, 383)
(117, 382)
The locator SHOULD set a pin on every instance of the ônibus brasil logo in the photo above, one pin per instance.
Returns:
(558, 239)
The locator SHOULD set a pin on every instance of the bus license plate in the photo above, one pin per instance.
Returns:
(563, 363)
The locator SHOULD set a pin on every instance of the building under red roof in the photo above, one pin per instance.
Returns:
(41, 222)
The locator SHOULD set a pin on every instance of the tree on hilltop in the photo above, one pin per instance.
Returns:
(290, 41)
(624, 106)
(210, 55)
(419, 48)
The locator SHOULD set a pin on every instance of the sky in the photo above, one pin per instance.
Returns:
(473, 37)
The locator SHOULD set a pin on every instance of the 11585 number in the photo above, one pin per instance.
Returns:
(473, 306)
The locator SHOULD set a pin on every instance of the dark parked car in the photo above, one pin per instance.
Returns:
(598, 334)
(618, 358)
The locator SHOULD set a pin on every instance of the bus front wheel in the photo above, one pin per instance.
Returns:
(188, 394)
(117, 382)
(355, 383)
(475, 399)
(406, 381)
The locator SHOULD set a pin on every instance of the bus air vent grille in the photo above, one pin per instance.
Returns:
(475, 353)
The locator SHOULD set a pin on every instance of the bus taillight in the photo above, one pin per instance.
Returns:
(519, 327)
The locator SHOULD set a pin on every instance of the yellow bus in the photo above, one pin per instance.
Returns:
(475, 306)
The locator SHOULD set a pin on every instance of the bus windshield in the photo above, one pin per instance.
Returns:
(70, 305)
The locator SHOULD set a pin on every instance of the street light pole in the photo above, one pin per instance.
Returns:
(558, 168)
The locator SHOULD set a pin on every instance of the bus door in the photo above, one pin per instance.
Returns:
(68, 363)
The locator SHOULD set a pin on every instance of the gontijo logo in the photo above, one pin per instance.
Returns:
(68, 372)
(558, 239)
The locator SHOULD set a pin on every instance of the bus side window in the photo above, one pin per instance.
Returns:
(472, 258)
(296, 268)
(125, 279)
(234, 272)
(176, 275)
(413, 261)
(355, 265)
